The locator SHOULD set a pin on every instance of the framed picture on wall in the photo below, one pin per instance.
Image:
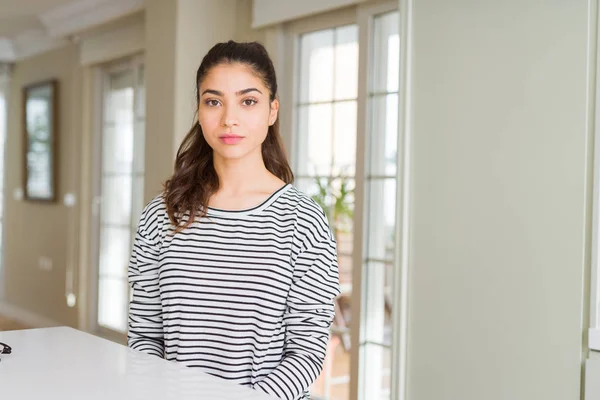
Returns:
(40, 126)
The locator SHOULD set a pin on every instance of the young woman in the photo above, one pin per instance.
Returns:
(234, 270)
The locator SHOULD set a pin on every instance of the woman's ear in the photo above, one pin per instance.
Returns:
(274, 112)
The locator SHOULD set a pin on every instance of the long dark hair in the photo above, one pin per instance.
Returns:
(195, 179)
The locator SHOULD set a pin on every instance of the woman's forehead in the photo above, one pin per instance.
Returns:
(231, 78)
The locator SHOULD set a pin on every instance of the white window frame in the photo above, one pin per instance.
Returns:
(100, 73)
(5, 72)
(366, 276)
(363, 15)
(293, 31)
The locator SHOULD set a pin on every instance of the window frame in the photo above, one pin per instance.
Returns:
(5, 76)
(362, 15)
(101, 73)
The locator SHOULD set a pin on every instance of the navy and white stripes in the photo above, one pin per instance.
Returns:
(243, 295)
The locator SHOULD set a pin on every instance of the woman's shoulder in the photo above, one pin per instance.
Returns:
(309, 213)
(154, 213)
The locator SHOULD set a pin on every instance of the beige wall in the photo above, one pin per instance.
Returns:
(243, 24)
(496, 289)
(33, 230)
(173, 52)
(178, 35)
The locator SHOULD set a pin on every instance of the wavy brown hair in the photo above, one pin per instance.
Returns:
(195, 179)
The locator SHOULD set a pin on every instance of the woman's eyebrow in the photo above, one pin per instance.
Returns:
(245, 91)
(211, 91)
(238, 93)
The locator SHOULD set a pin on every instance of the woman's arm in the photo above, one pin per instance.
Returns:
(310, 311)
(145, 310)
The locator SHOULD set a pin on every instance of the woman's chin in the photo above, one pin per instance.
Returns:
(231, 153)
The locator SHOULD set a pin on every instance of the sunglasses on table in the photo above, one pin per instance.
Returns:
(5, 349)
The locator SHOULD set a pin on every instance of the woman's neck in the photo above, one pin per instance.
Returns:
(243, 175)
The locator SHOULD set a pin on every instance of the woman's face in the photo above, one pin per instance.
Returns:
(235, 111)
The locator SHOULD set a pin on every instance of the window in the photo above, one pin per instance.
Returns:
(119, 199)
(325, 164)
(380, 205)
(344, 153)
(4, 76)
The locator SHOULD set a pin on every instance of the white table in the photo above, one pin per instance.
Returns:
(64, 364)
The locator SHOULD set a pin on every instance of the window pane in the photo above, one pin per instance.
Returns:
(326, 150)
(116, 199)
(140, 108)
(333, 383)
(386, 47)
(383, 140)
(380, 208)
(118, 105)
(381, 213)
(307, 185)
(316, 66)
(378, 328)
(344, 141)
(315, 139)
(139, 145)
(346, 62)
(123, 141)
(115, 247)
(118, 148)
(138, 200)
(112, 304)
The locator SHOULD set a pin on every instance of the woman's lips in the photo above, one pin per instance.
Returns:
(231, 139)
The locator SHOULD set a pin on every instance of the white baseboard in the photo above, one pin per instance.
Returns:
(26, 317)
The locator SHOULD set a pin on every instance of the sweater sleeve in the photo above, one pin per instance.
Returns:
(145, 311)
(308, 318)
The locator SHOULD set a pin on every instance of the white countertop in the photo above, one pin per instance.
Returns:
(63, 363)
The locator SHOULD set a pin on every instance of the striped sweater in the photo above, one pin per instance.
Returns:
(243, 295)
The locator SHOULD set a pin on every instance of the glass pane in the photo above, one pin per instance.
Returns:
(112, 304)
(140, 109)
(386, 47)
(315, 140)
(378, 328)
(345, 268)
(316, 66)
(118, 105)
(138, 200)
(307, 185)
(334, 381)
(336, 196)
(115, 248)
(344, 143)
(117, 148)
(139, 146)
(116, 199)
(2, 142)
(384, 135)
(346, 62)
(381, 214)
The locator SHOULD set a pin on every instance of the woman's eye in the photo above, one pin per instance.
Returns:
(212, 103)
(249, 102)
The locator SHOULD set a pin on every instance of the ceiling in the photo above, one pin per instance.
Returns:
(22, 15)
(28, 27)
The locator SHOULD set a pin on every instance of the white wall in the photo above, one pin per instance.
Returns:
(269, 12)
(496, 297)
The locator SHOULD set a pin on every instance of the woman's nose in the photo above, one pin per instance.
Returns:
(229, 117)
